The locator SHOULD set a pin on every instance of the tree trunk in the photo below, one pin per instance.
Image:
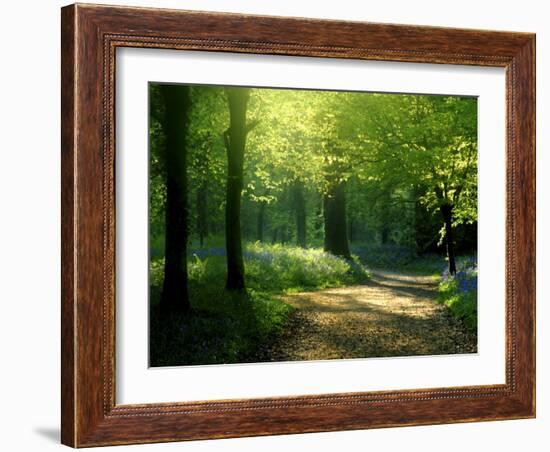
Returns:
(299, 202)
(385, 221)
(235, 141)
(175, 295)
(261, 221)
(275, 235)
(447, 213)
(202, 211)
(319, 219)
(336, 231)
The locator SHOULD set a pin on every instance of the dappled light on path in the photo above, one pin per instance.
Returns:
(394, 314)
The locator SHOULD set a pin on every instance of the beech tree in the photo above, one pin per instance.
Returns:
(430, 142)
(235, 142)
(175, 123)
(310, 168)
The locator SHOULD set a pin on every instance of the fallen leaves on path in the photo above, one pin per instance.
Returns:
(394, 314)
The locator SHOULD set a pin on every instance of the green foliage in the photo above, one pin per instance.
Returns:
(224, 327)
(401, 157)
(462, 305)
(271, 268)
(228, 327)
(289, 268)
(459, 292)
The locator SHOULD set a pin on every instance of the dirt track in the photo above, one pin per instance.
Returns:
(394, 314)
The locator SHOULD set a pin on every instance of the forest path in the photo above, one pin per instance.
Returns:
(393, 314)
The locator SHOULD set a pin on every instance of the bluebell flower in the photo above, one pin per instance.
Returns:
(466, 275)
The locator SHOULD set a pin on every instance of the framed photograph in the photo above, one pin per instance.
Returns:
(281, 225)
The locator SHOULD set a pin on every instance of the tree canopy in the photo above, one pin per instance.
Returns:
(318, 168)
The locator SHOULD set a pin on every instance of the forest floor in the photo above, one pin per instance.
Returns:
(394, 314)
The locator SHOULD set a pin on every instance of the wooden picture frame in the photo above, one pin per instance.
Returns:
(90, 36)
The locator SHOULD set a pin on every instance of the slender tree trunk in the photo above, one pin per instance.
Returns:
(299, 202)
(336, 231)
(447, 213)
(385, 223)
(202, 211)
(283, 234)
(275, 235)
(175, 295)
(319, 219)
(261, 221)
(235, 141)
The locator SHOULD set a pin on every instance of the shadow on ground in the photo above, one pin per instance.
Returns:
(394, 314)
